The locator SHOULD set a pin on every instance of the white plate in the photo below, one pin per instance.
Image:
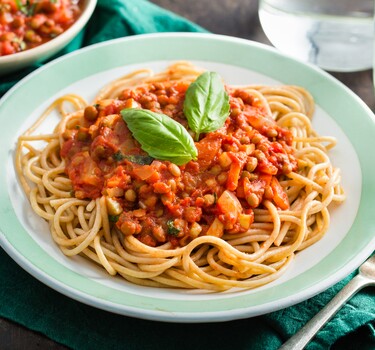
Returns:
(339, 113)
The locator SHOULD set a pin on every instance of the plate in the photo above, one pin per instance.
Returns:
(340, 113)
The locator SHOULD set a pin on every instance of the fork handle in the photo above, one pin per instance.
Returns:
(306, 333)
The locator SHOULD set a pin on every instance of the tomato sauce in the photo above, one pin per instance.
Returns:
(25, 24)
(238, 167)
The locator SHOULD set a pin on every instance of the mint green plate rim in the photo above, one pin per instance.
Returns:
(337, 100)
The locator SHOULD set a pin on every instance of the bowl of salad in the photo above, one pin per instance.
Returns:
(34, 30)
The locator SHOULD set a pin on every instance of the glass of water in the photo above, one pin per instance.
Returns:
(336, 35)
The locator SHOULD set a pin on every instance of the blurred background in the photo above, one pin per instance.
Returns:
(239, 18)
(229, 17)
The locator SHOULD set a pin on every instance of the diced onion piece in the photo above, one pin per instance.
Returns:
(131, 103)
(229, 203)
(225, 160)
(138, 213)
(109, 120)
(245, 221)
(216, 229)
(113, 207)
(248, 148)
(195, 230)
(104, 103)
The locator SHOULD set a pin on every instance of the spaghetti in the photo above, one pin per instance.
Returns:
(257, 193)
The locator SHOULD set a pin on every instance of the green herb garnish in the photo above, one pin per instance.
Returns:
(27, 8)
(20, 5)
(134, 158)
(118, 156)
(172, 229)
(206, 104)
(113, 218)
(142, 160)
(160, 136)
(32, 8)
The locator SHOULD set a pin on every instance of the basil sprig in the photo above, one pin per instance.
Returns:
(206, 104)
(160, 136)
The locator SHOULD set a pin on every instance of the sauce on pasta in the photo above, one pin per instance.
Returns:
(237, 166)
(235, 215)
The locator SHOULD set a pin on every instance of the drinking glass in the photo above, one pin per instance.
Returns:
(336, 35)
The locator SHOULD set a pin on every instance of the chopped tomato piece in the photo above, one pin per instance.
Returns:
(229, 204)
(216, 229)
(146, 172)
(259, 121)
(280, 197)
(119, 179)
(266, 178)
(208, 148)
(86, 176)
(265, 166)
(238, 162)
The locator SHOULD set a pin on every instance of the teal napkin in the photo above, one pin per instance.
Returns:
(25, 300)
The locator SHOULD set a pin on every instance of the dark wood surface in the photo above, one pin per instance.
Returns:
(237, 18)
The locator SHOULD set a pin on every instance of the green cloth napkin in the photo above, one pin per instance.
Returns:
(25, 300)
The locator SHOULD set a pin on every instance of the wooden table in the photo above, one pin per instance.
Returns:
(237, 18)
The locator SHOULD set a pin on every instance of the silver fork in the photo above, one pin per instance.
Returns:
(365, 278)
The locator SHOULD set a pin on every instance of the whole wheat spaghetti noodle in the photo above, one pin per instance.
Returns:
(258, 192)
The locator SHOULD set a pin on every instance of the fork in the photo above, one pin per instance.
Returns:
(365, 278)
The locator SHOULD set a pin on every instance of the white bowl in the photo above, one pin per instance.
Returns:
(13, 62)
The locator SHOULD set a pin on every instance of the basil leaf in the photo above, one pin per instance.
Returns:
(160, 136)
(172, 229)
(206, 104)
